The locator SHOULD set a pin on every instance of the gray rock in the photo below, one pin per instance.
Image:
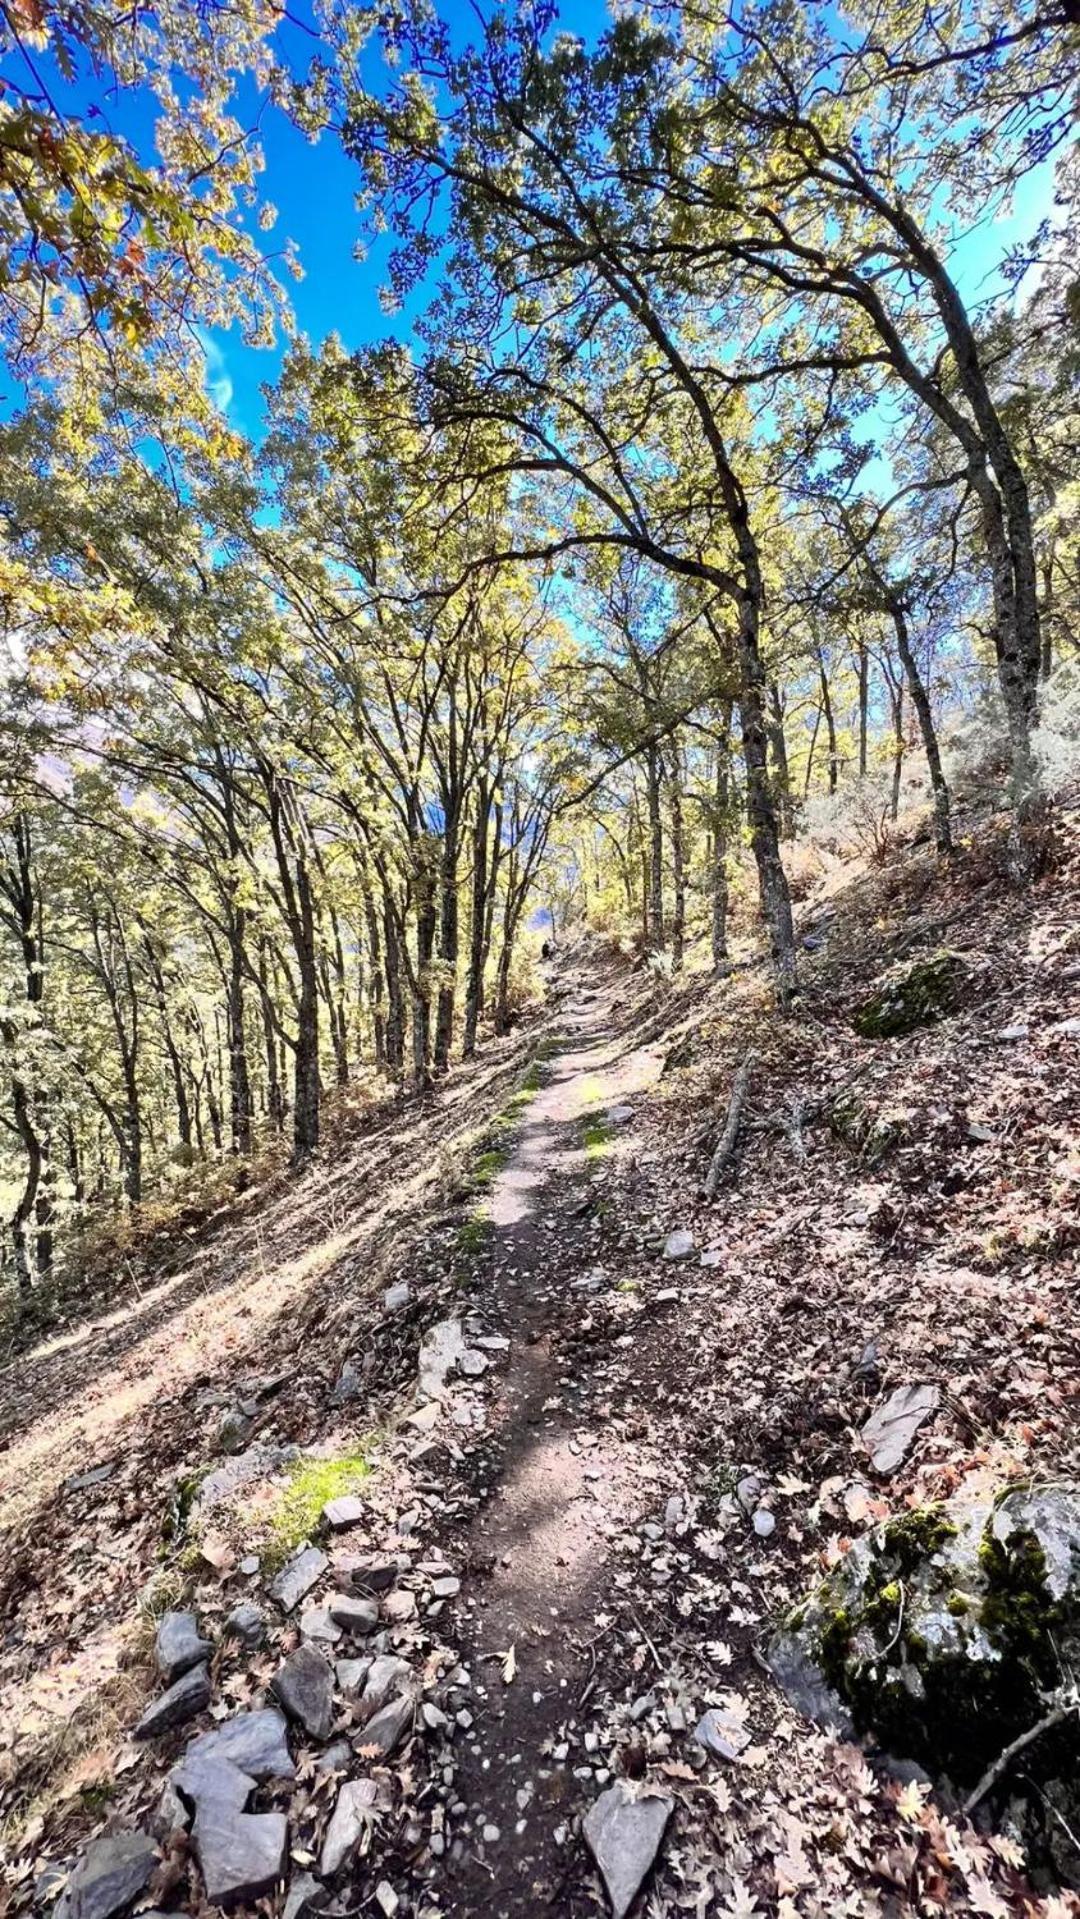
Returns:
(388, 1674)
(94, 1476)
(623, 1832)
(233, 1431)
(347, 1510)
(473, 1364)
(440, 1351)
(722, 1733)
(111, 1873)
(388, 1727)
(375, 1575)
(317, 1623)
(764, 1523)
(247, 1622)
(304, 1890)
(254, 1742)
(349, 1384)
(200, 1780)
(888, 1433)
(188, 1696)
(748, 1492)
(353, 1813)
(221, 1487)
(298, 1576)
(446, 1588)
(180, 1645)
(336, 1757)
(351, 1674)
(619, 1115)
(397, 1297)
(677, 1245)
(305, 1687)
(357, 1616)
(943, 1630)
(241, 1854)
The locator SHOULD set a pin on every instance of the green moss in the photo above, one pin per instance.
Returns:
(917, 1536)
(1017, 1612)
(473, 1234)
(597, 1136)
(835, 1644)
(311, 1483)
(926, 991)
(958, 1604)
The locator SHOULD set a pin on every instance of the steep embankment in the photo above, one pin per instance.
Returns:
(629, 1437)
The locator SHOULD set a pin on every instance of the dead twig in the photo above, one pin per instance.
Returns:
(1019, 1744)
(725, 1145)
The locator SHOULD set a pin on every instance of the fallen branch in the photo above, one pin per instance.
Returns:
(725, 1145)
(1004, 1759)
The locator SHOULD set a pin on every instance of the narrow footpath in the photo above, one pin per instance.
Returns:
(561, 1481)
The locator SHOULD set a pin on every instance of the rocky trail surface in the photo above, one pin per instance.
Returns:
(416, 1546)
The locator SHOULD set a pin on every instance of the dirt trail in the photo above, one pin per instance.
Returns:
(561, 1482)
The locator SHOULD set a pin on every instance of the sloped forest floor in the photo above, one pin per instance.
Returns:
(585, 1475)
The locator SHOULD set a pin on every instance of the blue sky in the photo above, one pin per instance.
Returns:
(313, 188)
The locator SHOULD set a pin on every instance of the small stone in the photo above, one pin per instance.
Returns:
(722, 1733)
(386, 1899)
(446, 1588)
(348, 1385)
(248, 1623)
(241, 1854)
(491, 1835)
(179, 1645)
(233, 1431)
(188, 1696)
(764, 1523)
(434, 1719)
(712, 1256)
(1065, 1028)
(623, 1832)
(677, 1245)
(387, 1675)
(305, 1687)
(748, 1492)
(619, 1115)
(351, 1674)
(303, 1890)
(376, 1575)
(111, 1873)
(674, 1512)
(347, 1510)
(667, 1296)
(473, 1364)
(249, 1564)
(94, 1476)
(397, 1297)
(386, 1730)
(317, 1623)
(493, 1343)
(254, 1742)
(1019, 1031)
(336, 1757)
(356, 1616)
(397, 1607)
(298, 1576)
(353, 1813)
(440, 1350)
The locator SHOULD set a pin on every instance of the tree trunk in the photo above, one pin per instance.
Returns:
(240, 1102)
(654, 918)
(898, 750)
(920, 699)
(678, 859)
(474, 989)
(761, 813)
(864, 704)
(448, 946)
(721, 803)
(830, 724)
(782, 769)
(306, 1079)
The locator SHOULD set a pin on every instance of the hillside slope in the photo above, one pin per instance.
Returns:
(549, 1538)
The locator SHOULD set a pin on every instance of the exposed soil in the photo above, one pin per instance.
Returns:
(899, 1210)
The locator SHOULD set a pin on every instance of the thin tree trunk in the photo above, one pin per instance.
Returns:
(448, 946)
(920, 699)
(654, 918)
(721, 803)
(782, 769)
(678, 860)
(474, 989)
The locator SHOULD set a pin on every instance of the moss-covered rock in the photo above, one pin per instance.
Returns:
(913, 996)
(866, 1131)
(942, 1632)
